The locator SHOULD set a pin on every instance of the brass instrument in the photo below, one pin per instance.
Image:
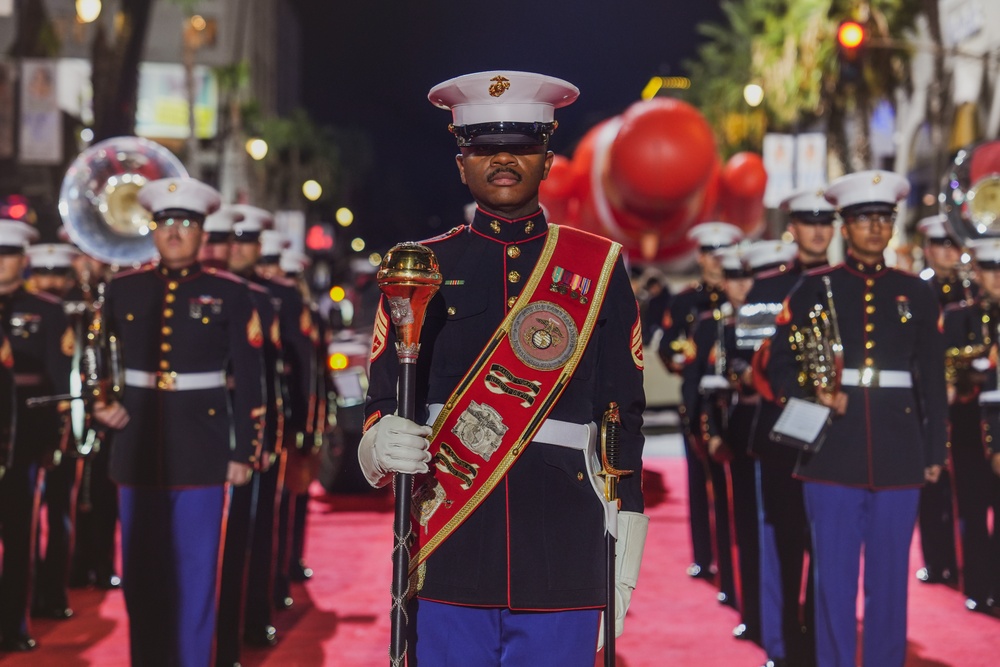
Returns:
(98, 200)
(970, 192)
(818, 347)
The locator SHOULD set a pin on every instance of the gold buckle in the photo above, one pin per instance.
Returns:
(868, 377)
(165, 381)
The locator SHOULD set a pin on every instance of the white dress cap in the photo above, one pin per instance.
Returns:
(491, 98)
(810, 200)
(934, 227)
(868, 187)
(52, 255)
(179, 194)
(255, 219)
(715, 234)
(733, 261)
(16, 234)
(986, 252)
(222, 221)
(272, 242)
(770, 253)
(293, 261)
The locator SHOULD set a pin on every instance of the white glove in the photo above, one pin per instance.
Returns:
(632, 527)
(393, 444)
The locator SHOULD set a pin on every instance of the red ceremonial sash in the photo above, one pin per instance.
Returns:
(515, 382)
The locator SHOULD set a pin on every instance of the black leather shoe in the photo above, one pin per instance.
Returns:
(696, 571)
(266, 636)
(18, 644)
(298, 572)
(980, 606)
(929, 576)
(776, 662)
(55, 613)
(742, 632)
(282, 603)
(110, 582)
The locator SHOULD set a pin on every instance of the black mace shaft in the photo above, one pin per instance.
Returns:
(401, 528)
(409, 277)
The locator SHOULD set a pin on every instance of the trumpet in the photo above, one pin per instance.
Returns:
(818, 347)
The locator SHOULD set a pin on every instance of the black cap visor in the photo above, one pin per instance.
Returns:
(503, 134)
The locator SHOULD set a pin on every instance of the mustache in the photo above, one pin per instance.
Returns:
(502, 170)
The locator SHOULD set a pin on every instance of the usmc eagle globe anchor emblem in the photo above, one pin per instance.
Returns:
(543, 336)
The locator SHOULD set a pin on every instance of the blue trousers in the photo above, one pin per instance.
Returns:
(170, 560)
(455, 636)
(845, 521)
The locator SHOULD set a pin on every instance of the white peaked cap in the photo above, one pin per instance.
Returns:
(255, 219)
(52, 255)
(768, 253)
(15, 233)
(810, 200)
(272, 242)
(222, 220)
(293, 261)
(185, 194)
(503, 96)
(868, 187)
(715, 234)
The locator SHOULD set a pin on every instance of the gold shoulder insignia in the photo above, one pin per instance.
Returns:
(275, 332)
(637, 343)
(255, 335)
(380, 333)
(68, 342)
(6, 355)
(305, 322)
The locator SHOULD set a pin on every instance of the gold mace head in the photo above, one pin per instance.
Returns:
(409, 276)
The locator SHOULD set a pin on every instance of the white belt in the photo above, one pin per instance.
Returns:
(870, 377)
(552, 431)
(175, 381)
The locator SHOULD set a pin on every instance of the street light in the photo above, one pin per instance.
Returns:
(344, 216)
(87, 11)
(358, 244)
(312, 190)
(753, 94)
(257, 148)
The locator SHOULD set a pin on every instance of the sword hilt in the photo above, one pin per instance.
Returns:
(611, 426)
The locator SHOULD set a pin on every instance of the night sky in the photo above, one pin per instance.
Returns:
(369, 65)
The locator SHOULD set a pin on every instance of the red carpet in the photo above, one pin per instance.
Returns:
(341, 616)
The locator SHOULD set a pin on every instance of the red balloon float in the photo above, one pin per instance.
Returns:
(741, 185)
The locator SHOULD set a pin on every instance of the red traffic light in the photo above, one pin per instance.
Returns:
(850, 35)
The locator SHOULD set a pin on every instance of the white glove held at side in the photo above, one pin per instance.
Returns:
(632, 527)
(393, 444)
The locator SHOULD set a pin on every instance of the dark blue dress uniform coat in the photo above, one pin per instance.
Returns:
(889, 434)
(187, 321)
(537, 541)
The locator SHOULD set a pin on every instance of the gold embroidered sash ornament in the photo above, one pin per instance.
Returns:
(512, 387)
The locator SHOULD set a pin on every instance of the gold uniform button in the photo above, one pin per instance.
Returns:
(986, 319)
(870, 282)
(514, 276)
(511, 301)
(869, 344)
(869, 327)
(166, 331)
(165, 347)
(211, 412)
(869, 362)
(869, 296)
(946, 288)
(204, 320)
(870, 309)
(130, 317)
(172, 285)
(451, 310)
(513, 252)
(168, 312)
(171, 298)
(988, 438)
(164, 365)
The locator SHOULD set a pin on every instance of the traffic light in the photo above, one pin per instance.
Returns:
(851, 38)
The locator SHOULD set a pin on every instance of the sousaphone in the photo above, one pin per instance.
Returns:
(970, 193)
(98, 200)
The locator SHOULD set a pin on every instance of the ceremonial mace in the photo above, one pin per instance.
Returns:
(408, 277)
(611, 426)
